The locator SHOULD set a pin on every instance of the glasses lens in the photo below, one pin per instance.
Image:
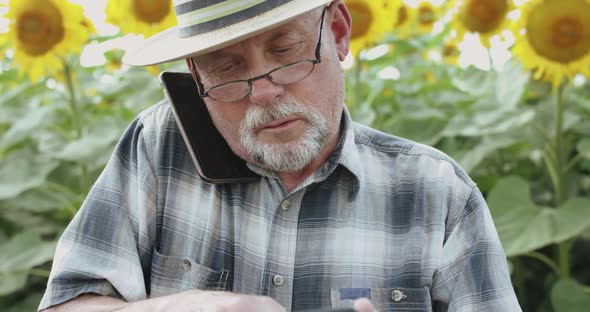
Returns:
(292, 73)
(229, 92)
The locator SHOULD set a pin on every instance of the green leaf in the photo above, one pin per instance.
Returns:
(488, 122)
(30, 303)
(21, 171)
(36, 201)
(474, 81)
(426, 131)
(12, 281)
(19, 254)
(568, 220)
(25, 251)
(25, 126)
(584, 148)
(489, 145)
(88, 147)
(568, 295)
(524, 226)
(511, 84)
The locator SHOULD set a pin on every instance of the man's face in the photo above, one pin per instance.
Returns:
(279, 127)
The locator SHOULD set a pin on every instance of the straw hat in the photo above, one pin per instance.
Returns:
(208, 25)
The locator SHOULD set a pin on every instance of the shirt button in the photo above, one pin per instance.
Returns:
(397, 295)
(278, 280)
(186, 265)
(285, 205)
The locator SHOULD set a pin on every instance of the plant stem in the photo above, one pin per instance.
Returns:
(490, 59)
(574, 161)
(557, 167)
(39, 272)
(563, 250)
(77, 116)
(541, 257)
(545, 134)
(73, 100)
(557, 144)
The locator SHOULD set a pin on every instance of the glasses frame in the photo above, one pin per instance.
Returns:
(317, 60)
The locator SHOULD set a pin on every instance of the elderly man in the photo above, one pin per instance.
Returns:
(338, 212)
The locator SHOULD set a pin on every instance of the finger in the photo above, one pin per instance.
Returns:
(363, 305)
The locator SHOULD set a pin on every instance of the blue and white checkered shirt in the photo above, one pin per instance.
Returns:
(385, 218)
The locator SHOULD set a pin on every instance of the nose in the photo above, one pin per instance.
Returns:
(264, 92)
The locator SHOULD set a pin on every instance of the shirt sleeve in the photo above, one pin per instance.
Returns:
(106, 247)
(473, 275)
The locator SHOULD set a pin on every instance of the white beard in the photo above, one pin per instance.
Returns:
(284, 157)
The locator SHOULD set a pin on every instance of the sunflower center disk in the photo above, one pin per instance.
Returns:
(363, 18)
(560, 31)
(566, 32)
(426, 16)
(39, 29)
(151, 11)
(450, 50)
(402, 16)
(483, 16)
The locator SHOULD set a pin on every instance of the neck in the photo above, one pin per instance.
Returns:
(290, 180)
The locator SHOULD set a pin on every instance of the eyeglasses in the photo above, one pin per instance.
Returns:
(287, 74)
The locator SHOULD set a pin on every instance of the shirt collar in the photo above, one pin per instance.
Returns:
(346, 152)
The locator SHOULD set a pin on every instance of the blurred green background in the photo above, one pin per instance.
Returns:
(499, 85)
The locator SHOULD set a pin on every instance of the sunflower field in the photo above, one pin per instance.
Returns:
(502, 86)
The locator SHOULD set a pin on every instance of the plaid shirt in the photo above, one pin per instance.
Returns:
(384, 218)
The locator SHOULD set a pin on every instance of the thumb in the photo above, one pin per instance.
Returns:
(363, 305)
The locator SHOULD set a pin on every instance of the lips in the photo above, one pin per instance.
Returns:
(279, 122)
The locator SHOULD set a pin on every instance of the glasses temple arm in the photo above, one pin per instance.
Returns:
(193, 69)
(318, 47)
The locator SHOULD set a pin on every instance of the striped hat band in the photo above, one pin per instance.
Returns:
(200, 16)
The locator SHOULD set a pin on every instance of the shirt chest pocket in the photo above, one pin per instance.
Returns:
(385, 299)
(171, 274)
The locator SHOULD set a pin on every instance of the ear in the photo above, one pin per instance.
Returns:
(340, 25)
(192, 68)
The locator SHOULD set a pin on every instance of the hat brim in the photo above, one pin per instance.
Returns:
(167, 46)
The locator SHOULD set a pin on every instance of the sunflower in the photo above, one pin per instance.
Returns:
(426, 16)
(556, 38)
(402, 26)
(450, 51)
(43, 32)
(369, 23)
(144, 17)
(113, 59)
(484, 17)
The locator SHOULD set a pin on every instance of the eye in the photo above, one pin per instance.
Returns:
(226, 68)
(287, 49)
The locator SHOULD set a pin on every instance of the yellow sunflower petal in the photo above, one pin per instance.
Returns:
(484, 17)
(43, 32)
(143, 17)
(154, 70)
(402, 26)
(369, 23)
(555, 42)
(451, 52)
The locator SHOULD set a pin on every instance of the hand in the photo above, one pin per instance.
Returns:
(207, 301)
(363, 305)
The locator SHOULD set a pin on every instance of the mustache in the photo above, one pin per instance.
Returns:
(260, 115)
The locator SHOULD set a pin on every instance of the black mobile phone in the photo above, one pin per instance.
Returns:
(215, 161)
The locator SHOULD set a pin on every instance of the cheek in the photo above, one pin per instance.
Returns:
(227, 119)
(328, 97)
